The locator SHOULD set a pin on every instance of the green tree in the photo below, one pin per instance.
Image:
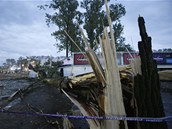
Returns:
(96, 18)
(93, 16)
(165, 50)
(117, 11)
(22, 63)
(119, 39)
(66, 18)
(10, 62)
(19, 61)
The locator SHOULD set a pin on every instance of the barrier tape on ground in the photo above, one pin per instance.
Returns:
(144, 119)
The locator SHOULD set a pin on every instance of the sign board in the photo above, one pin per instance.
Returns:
(163, 58)
(127, 57)
(80, 59)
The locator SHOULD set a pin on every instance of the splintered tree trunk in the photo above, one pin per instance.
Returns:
(147, 85)
(113, 102)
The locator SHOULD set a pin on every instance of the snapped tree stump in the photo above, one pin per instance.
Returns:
(147, 85)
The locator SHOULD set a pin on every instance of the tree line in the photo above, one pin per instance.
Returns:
(20, 62)
(68, 14)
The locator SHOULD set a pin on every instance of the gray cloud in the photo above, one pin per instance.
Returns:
(27, 40)
(17, 12)
(157, 21)
(23, 31)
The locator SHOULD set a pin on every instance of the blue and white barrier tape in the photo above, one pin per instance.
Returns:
(143, 119)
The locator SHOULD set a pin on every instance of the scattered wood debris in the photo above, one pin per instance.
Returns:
(112, 91)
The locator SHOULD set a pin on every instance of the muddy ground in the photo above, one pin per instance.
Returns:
(43, 98)
(166, 93)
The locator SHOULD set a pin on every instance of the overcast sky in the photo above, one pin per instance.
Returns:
(23, 30)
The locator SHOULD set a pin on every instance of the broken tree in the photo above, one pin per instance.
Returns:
(147, 85)
(133, 92)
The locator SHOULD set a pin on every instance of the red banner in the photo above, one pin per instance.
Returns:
(80, 59)
(127, 57)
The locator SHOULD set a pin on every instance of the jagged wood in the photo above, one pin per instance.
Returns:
(86, 93)
(147, 85)
(114, 104)
(113, 93)
(93, 60)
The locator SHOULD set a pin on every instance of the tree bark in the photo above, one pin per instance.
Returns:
(147, 85)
